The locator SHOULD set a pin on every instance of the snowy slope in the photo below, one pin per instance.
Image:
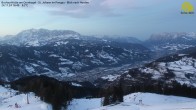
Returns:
(84, 104)
(152, 102)
(183, 69)
(180, 68)
(8, 98)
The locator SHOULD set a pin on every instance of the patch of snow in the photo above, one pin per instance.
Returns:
(65, 72)
(30, 69)
(65, 61)
(61, 43)
(86, 50)
(155, 73)
(78, 65)
(84, 104)
(75, 84)
(105, 55)
(35, 65)
(42, 63)
(180, 55)
(97, 62)
(110, 77)
(54, 55)
(33, 43)
(90, 55)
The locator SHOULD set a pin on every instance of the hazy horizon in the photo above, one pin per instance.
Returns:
(139, 38)
(135, 18)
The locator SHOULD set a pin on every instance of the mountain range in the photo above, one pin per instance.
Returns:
(69, 56)
(61, 65)
(63, 54)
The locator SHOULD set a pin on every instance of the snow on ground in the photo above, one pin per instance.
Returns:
(65, 61)
(61, 42)
(110, 77)
(105, 55)
(149, 101)
(84, 104)
(33, 43)
(30, 69)
(8, 98)
(134, 101)
(75, 84)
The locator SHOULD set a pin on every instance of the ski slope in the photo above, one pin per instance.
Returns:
(150, 101)
(9, 97)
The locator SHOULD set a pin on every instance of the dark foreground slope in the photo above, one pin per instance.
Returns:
(53, 91)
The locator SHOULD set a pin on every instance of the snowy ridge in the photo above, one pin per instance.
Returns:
(40, 37)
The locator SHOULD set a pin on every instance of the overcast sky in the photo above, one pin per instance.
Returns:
(137, 18)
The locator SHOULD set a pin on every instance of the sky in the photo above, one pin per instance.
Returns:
(136, 18)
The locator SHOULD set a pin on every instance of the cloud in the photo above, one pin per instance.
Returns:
(95, 7)
(118, 3)
(109, 8)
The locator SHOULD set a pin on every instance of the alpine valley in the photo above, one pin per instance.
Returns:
(65, 55)
(66, 69)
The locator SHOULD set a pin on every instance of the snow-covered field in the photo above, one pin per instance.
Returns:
(150, 101)
(8, 99)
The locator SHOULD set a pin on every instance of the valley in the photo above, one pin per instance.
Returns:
(99, 69)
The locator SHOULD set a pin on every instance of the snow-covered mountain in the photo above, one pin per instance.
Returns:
(171, 71)
(166, 43)
(63, 54)
(174, 69)
(39, 37)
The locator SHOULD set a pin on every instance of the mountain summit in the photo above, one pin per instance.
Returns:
(38, 37)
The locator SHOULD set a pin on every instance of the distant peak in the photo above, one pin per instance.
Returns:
(172, 35)
(37, 37)
(41, 31)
